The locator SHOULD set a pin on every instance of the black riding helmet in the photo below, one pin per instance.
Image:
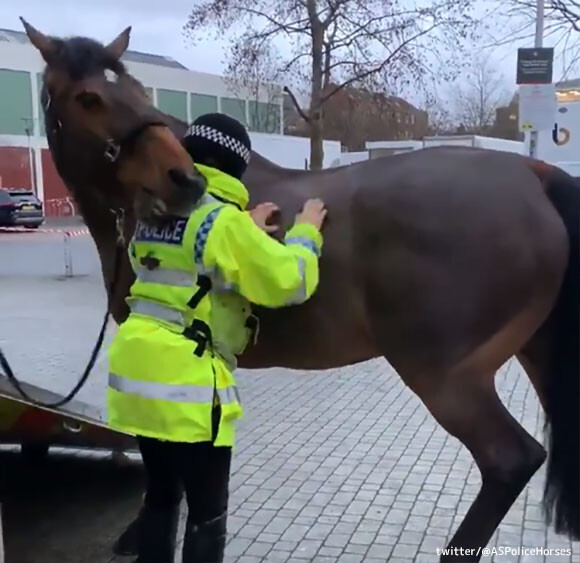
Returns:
(220, 141)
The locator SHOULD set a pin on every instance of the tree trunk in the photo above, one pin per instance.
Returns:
(316, 146)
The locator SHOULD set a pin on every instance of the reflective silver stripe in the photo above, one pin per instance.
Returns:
(174, 393)
(165, 313)
(166, 276)
(218, 283)
(206, 199)
(157, 311)
(304, 242)
(229, 395)
(162, 391)
(300, 293)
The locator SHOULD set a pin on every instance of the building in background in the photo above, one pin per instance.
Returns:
(355, 116)
(25, 160)
(506, 123)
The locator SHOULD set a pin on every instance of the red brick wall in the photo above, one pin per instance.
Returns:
(54, 187)
(15, 167)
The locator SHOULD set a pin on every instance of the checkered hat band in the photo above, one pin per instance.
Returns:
(220, 138)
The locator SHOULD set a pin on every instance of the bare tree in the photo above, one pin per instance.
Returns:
(478, 96)
(339, 42)
(561, 28)
(257, 78)
(441, 118)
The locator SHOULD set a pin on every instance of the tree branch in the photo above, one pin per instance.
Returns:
(287, 28)
(300, 111)
(374, 70)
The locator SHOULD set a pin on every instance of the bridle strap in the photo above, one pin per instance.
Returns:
(112, 147)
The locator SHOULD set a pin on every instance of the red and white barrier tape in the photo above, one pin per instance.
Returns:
(70, 232)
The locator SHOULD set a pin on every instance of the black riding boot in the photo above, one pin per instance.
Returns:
(205, 543)
(157, 535)
(128, 542)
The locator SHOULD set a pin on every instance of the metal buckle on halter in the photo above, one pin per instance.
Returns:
(112, 150)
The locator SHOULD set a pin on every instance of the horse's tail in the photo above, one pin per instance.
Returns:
(562, 391)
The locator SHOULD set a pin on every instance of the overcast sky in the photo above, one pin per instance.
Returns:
(157, 25)
(157, 28)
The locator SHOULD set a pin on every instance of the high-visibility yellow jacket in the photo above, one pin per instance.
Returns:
(171, 361)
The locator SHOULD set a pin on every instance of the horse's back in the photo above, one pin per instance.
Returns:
(454, 243)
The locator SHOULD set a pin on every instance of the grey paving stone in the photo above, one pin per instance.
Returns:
(259, 549)
(330, 552)
(323, 459)
(337, 540)
(356, 548)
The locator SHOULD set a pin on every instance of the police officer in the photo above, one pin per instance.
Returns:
(171, 363)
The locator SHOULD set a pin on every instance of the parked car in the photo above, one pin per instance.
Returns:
(20, 208)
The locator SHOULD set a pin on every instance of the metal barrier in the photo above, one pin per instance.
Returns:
(60, 207)
(67, 235)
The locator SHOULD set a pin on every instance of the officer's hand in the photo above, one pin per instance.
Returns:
(264, 212)
(313, 213)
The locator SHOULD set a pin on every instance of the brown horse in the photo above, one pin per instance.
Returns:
(446, 261)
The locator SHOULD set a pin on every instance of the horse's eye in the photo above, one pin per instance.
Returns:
(89, 100)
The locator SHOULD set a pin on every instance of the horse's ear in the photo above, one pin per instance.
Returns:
(119, 45)
(43, 43)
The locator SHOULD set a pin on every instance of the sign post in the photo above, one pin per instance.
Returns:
(537, 106)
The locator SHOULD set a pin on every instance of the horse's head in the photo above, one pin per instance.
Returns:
(104, 131)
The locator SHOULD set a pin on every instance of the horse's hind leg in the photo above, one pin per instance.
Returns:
(468, 407)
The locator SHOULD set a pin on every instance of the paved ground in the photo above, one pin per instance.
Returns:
(338, 466)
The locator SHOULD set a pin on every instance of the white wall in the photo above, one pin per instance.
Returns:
(490, 143)
(352, 157)
(293, 152)
(399, 146)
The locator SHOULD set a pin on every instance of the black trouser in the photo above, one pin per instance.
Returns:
(202, 470)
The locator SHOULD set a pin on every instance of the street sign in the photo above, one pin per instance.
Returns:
(537, 107)
(535, 65)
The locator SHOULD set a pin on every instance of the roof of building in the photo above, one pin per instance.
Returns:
(11, 36)
(573, 84)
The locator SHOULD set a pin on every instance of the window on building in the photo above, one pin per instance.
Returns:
(149, 92)
(264, 117)
(172, 102)
(16, 102)
(39, 84)
(235, 108)
(202, 103)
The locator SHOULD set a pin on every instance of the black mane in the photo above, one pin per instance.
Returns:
(82, 57)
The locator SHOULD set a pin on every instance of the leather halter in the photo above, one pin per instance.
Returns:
(113, 147)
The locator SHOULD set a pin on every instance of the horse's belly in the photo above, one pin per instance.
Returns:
(329, 330)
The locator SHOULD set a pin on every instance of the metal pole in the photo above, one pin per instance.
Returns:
(68, 268)
(539, 41)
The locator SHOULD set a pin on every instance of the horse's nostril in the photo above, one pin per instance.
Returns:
(178, 177)
(187, 181)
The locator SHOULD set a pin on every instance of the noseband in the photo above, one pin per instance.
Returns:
(114, 147)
